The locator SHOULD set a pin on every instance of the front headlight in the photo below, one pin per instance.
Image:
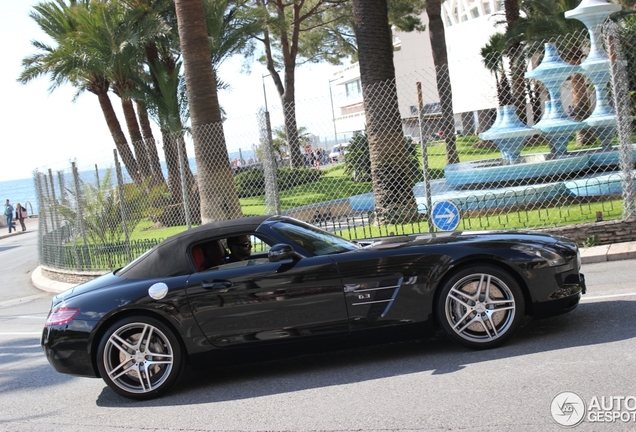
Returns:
(552, 258)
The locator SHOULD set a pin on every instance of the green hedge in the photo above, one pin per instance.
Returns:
(252, 182)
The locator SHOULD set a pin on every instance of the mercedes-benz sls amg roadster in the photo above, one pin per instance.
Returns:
(187, 301)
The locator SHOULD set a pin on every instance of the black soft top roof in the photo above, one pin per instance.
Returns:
(171, 257)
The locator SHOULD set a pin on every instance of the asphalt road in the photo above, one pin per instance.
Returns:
(433, 385)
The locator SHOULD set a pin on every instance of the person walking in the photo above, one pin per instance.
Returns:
(20, 214)
(8, 212)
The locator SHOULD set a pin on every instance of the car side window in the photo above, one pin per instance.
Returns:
(236, 251)
(208, 254)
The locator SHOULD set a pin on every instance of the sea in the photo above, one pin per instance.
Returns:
(20, 191)
(23, 190)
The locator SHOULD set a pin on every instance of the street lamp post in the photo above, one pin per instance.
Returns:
(264, 92)
(333, 114)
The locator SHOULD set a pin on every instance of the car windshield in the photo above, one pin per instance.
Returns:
(313, 239)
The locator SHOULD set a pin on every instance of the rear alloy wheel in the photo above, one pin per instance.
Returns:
(139, 358)
(480, 307)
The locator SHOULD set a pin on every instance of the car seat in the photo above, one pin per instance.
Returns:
(198, 257)
(215, 254)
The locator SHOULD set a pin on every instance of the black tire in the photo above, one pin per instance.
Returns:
(140, 347)
(480, 307)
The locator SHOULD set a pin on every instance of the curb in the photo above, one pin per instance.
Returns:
(611, 252)
(49, 285)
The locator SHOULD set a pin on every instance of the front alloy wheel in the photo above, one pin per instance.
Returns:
(480, 307)
(139, 358)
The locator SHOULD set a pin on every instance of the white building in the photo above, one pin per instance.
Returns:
(468, 26)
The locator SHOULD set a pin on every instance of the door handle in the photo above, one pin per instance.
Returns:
(216, 284)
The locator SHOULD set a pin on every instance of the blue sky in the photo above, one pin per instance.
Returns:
(49, 129)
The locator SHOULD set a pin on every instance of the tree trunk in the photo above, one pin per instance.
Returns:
(151, 145)
(136, 138)
(444, 89)
(172, 163)
(580, 97)
(219, 200)
(168, 64)
(517, 63)
(121, 143)
(287, 89)
(392, 185)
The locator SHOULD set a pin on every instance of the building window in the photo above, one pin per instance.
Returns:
(353, 89)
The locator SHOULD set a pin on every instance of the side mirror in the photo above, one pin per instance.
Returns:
(282, 251)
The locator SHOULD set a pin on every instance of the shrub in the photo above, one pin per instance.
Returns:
(358, 159)
(252, 182)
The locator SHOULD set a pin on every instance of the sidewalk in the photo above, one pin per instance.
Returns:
(31, 224)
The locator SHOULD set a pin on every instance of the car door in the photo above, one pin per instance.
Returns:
(256, 301)
(385, 287)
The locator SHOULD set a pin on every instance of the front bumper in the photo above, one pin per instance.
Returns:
(564, 298)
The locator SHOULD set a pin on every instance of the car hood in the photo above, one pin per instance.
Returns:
(465, 237)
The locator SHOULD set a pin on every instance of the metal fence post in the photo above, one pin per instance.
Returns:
(120, 187)
(272, 199)
(620, 91)
(78, 199)
(56, 222)
(427, 180)
(62, 185)
(182, 176)
(42, 225)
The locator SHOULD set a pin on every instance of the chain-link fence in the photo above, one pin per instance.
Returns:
(547, 143)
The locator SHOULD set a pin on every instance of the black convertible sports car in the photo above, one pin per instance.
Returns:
(184, 302)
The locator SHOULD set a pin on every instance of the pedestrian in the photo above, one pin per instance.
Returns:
(8, 212)
(20, 214)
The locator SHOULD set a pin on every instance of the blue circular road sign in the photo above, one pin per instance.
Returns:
(445, 216)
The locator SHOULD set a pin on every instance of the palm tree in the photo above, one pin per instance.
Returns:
(444, 89)
(104, 33)
(394, 199)
(161, 93)
(67, 62)
(492, 56)
(231, 29)
(517, 62)
(219, 200)
(279, 141)
(162, 90)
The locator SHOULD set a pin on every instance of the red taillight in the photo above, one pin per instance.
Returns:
(61, 316)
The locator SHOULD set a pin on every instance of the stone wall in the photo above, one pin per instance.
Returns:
(70, 276)
(598, 233)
